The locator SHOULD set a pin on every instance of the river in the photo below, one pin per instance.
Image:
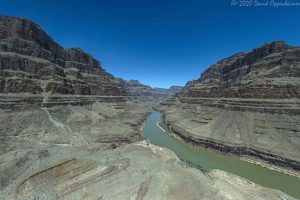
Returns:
(208, 159)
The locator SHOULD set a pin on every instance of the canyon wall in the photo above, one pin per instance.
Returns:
(247, 105)
(31, 62)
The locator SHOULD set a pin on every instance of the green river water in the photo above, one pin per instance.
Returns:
(208, 159)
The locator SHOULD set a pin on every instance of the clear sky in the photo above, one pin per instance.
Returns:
(159, 42)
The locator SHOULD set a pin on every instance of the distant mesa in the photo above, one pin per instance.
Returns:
(146, 92)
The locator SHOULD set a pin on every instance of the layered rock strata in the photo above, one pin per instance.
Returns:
(247, 105)
(270, 72)
(31, 62)
(56, 96)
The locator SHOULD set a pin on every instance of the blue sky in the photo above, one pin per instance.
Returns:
(159, 42)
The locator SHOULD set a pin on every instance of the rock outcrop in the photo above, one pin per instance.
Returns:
(31, 62)
(247, 105)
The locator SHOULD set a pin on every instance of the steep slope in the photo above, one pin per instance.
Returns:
(31, 62)
(270, 71)
(247, 105)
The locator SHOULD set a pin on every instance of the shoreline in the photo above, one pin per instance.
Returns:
(243, 158)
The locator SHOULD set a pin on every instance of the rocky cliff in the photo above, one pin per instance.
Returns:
(52, 95)
(270, 71)
(247, 105)
(31, 62)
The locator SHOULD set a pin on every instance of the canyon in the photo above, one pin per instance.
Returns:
(71, 130)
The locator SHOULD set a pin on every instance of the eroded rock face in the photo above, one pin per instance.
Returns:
(270, 71)
(247, 105)
(30, 61)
